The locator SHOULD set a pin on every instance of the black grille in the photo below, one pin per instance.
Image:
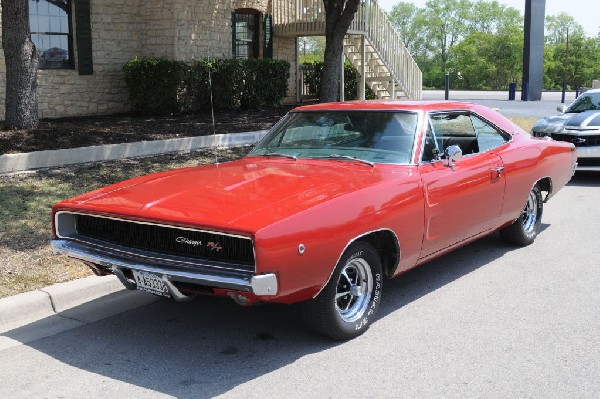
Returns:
(588, 141)
(168, 240)
(588, 161)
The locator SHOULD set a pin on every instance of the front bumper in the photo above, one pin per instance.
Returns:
(260, 285)
(588, 158)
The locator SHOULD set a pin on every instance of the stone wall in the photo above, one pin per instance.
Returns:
(115, 39)
(284, 48)
(121, 29)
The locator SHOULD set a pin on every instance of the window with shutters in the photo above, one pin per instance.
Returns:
(245, 25)
(51, 31)
(252, 34)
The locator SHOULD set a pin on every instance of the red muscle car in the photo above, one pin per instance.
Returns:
(333, 201)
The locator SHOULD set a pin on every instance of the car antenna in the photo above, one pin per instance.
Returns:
(212, 112)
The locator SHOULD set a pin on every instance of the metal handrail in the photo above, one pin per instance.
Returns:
(307, 17)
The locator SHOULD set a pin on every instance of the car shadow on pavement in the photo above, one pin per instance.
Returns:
(427, 278)
(585, 179)
(211, 346)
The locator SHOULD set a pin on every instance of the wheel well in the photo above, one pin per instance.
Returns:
(545, 185)
(386, 244)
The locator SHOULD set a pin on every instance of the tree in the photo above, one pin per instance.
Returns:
(448, 24)
(493, 17)
(411, 25)
(21, 59)
(338, 16)
(311, 49)
(557, 27)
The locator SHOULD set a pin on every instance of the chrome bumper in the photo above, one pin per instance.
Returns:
(585, 153)
(261, 285)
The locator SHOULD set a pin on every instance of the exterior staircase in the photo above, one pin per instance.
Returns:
(371, 45)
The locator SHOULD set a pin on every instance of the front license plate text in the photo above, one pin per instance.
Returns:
(151, 283)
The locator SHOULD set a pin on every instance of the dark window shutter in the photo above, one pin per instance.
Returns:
(83, 28)
(233, 37)
(268, 42)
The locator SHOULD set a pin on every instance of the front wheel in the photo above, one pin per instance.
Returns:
(525, 229)
(347, 305)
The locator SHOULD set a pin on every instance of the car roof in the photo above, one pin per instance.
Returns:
(388, 105)
(592, 91)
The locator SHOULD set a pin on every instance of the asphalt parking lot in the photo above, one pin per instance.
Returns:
(487, 320)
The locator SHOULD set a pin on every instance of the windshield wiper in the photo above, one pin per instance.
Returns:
(337, 156)
(278, 155)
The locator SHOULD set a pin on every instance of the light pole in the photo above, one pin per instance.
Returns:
(565, 68)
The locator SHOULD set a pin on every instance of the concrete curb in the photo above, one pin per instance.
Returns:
(26, 308)
(54, 158)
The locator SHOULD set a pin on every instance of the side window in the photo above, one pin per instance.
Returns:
(455, 129)
(488, 137)
(430, 146)
(471, 133)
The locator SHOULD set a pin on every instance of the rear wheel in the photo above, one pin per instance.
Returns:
(525, 229)
(347, 305)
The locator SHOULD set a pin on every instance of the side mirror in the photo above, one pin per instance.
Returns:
(454, 154)
(561, 108)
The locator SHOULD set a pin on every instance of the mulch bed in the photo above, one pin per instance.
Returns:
(53, 134)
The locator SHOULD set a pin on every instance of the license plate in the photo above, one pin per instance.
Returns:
(151, 283)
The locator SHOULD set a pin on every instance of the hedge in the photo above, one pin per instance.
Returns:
(313, 80)
(160, 86)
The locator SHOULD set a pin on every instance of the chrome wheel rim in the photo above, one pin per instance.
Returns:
(353, 290)
(530, 214)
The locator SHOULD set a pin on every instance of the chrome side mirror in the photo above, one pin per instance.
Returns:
(453, 154)
(561, 108)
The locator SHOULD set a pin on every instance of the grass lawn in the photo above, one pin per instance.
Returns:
(26, 261)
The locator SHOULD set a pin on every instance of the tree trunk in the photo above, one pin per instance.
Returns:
(338, 17)
(21, 58)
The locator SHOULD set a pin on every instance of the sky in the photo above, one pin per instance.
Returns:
(586, 12)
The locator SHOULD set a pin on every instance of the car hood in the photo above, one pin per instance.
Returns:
(244, 195)
(587, 120)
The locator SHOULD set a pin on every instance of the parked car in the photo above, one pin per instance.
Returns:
(579, 123)
(333, 201)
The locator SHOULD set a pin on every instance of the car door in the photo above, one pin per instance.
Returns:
(465, 199)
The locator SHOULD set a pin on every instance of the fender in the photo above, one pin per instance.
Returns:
(357, 238)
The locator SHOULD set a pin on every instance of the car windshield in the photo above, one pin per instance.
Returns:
(367, 136)
(587, 102)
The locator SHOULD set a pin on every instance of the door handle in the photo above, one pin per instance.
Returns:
(497, 172)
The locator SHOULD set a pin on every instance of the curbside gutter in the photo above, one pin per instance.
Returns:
(25, 308)
(37, 314)
(10, 163)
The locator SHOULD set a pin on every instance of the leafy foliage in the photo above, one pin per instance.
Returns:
(153, 84)
(312, 78)
(480, 44)
(159, 86)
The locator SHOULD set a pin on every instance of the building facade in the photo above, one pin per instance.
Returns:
(83, 45)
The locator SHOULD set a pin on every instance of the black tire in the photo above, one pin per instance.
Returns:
(359, 275)
(525, 229)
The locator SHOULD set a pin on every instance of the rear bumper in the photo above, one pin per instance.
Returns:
(260, 285)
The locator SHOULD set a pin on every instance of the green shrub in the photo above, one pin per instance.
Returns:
(234, 84)
(154, 84)
(313, 80)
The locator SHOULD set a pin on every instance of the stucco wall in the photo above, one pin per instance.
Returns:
(122, 29)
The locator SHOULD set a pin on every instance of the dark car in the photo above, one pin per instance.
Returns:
(578, 124)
